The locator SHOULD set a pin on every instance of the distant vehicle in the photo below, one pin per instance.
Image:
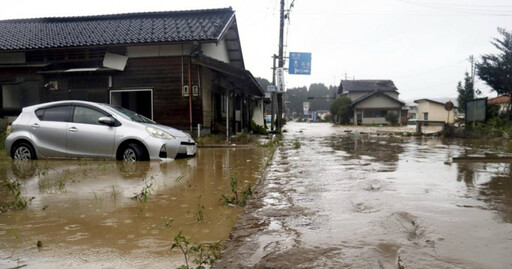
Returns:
(80, 129)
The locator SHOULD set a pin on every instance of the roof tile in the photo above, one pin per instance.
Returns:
(150, 27)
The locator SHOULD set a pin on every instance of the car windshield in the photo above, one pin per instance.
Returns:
(130, 114)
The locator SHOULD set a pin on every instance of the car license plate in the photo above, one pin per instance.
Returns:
(191, 150)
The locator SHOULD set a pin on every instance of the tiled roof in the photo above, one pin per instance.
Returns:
(131, 28)
(366, 86)
(504, 99)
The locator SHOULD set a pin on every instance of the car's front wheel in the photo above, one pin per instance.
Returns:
(23, 151)
(132, 153)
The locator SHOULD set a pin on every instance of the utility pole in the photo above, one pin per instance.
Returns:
(472, 61)
(273, 94)
(280, 64)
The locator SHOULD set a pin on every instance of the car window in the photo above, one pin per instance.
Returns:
(57, 113)
(130, 114)
(40, 114)
(87, 115)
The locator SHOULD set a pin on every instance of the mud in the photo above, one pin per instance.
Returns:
(120, 215)
(348, 198)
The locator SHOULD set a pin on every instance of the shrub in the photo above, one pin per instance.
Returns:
(258, 129)
(392, 117)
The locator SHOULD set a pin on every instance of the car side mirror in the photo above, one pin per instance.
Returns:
(107, 121)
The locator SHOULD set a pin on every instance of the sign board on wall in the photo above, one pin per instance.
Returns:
(299, 63)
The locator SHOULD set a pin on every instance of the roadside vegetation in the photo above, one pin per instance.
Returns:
(495, 70)
(340, 110)
(238, 196)
(202, 255)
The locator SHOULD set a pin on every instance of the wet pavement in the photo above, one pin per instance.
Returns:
(89, 214)
(339, 199)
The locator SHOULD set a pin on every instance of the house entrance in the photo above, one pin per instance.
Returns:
(140, 101)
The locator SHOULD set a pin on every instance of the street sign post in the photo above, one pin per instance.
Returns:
(300, 63)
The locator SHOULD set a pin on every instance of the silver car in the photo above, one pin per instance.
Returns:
(79, 129)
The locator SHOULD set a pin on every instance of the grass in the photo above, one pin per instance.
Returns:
(143, 195)
(203, 254)
(237, 197)
(57, 182)
(167, 222)
(13, 186)
(211, 139)
(296, 144)
(200, 211)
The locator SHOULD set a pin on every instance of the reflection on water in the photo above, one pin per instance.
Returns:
(85, 213)
(490, 183)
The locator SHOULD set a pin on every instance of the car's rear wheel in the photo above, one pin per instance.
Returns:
(132, 153)
(23, 151)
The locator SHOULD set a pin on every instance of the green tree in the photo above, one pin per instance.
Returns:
(496, 69)
(466, 92)
(263, 83)
(341, 110)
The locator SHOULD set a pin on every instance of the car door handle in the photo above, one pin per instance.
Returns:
(73, 129)
(35, 125)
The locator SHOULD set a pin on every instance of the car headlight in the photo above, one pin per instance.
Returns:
(157, 133)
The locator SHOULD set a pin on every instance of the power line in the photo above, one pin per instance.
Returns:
(464, 9)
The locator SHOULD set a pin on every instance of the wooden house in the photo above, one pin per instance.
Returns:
(179, 68)
(372, 100)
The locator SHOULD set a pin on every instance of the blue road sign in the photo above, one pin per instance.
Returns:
(299, 63)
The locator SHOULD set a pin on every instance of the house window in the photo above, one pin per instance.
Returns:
(16, 96)
(375, 113)
(425, 115)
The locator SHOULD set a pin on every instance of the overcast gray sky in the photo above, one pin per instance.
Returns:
(422, 45)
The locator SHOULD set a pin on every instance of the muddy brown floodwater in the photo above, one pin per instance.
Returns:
(84, 214)
(351, 200)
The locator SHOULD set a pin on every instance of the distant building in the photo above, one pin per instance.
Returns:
(372, 100)
(431, 110)
(502, 101)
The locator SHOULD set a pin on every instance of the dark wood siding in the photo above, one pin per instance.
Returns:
(164, 76)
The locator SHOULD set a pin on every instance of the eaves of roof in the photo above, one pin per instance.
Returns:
(374, 93)
(241, 77)
(428, 100)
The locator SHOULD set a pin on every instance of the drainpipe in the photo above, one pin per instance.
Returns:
(227, 116)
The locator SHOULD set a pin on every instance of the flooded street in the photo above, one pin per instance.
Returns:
(338, 199)
(120, 215)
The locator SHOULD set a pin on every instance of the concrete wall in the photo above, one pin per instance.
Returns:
(217, 51)
(372, 121)
(436, 112)
(257, 113)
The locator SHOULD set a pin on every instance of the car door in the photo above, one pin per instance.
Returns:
(86, 137)
(48, 130)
